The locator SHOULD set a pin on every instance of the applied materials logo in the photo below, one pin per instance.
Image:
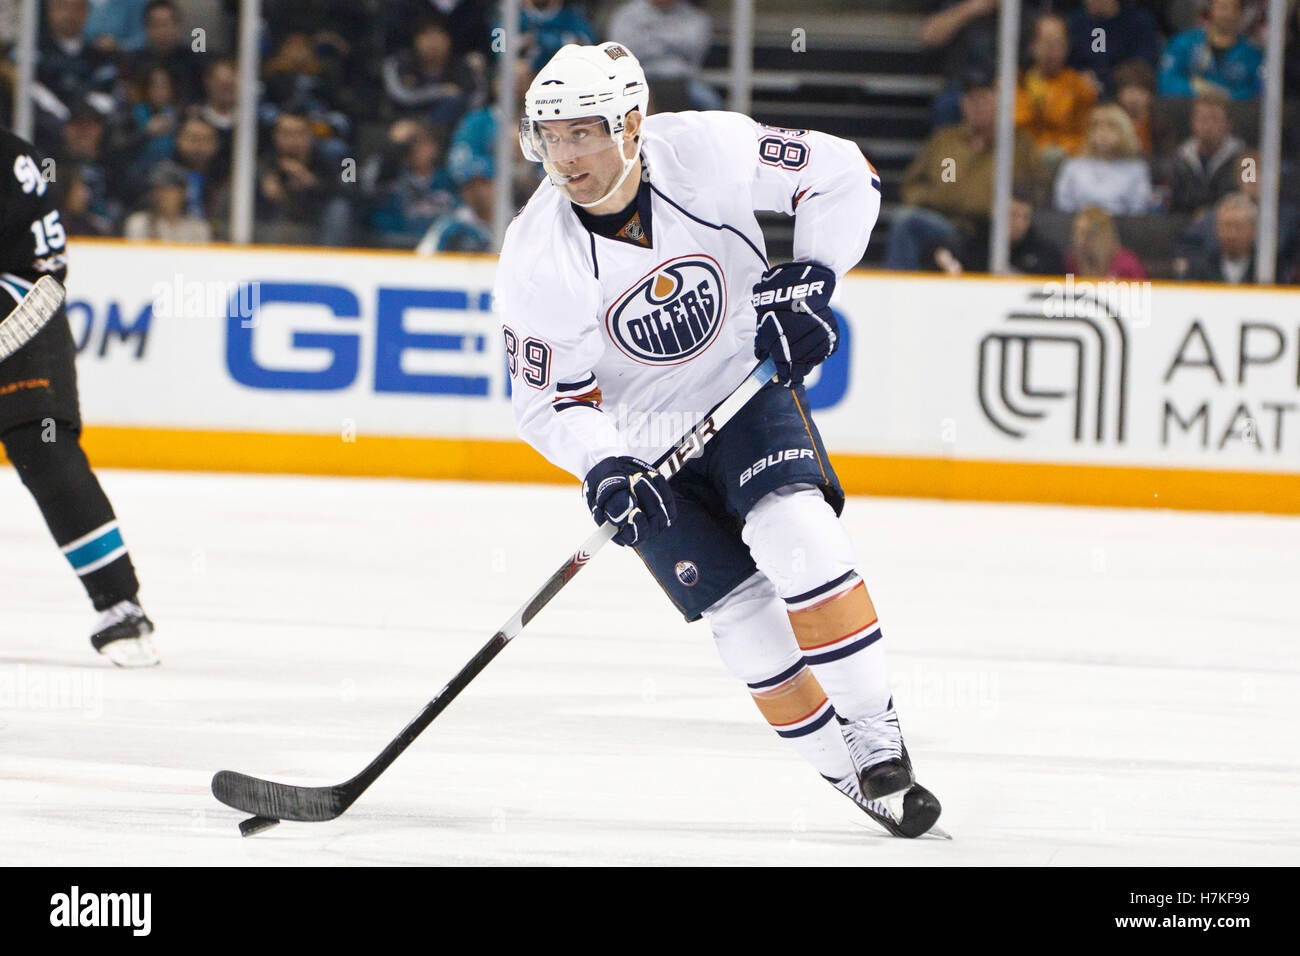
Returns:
(1059, 367)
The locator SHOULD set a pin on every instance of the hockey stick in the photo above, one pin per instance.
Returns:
(29, 317)
(272, 802)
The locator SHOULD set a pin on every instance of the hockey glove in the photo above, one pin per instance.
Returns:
(632, 495)
(796, 326)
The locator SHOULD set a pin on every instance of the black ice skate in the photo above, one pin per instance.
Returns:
(122, 635)
(886, 789)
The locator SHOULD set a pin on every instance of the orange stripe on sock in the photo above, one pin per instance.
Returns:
(792, 702)
(834, 620)
(858, 630)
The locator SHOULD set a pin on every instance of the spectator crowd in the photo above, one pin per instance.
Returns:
(1135, 142)
(1135, 153)
(376, 121)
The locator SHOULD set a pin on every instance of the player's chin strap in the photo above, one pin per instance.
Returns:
(559, 178)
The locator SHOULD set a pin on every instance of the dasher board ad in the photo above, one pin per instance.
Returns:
(1063, 371)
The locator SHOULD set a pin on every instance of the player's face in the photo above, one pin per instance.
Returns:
(583, 151)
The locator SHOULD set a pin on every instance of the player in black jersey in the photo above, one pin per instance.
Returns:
(40, 417)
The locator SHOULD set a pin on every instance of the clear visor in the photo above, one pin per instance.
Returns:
(558, 141)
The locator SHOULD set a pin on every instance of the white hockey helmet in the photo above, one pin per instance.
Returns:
(604, 82)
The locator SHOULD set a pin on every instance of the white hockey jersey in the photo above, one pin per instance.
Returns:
(617, 349)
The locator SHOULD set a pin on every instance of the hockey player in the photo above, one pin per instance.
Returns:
(40, 419)
(634, 294)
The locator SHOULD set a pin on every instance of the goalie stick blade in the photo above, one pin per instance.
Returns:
(280, 801)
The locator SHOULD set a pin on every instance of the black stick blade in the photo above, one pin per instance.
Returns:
(280, 801)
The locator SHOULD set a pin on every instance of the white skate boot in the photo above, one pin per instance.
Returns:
(885, 787)
(122, 635)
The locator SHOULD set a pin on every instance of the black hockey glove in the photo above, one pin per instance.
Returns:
(795, 323)
(631, 494)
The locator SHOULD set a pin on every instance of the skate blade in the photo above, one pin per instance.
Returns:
(891, 812)
(132, 652)
(936, 832)
(893, 803)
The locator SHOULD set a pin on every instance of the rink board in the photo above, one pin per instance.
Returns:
(1025, 389)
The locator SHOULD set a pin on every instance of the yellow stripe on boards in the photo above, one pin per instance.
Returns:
(481, 459)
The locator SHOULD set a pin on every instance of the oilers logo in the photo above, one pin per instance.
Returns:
(687, 573)
(670, 315)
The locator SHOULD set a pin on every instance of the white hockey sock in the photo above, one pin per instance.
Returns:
(752, 632)
(797, 708)
(840, 638)
(799, 544)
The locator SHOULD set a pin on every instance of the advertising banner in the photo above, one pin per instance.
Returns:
(355, 362)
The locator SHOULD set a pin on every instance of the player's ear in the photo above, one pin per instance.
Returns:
(632, 125)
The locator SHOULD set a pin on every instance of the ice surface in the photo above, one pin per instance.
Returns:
(1078, 686)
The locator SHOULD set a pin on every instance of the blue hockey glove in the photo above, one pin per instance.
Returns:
(795, 323)
(632, 495)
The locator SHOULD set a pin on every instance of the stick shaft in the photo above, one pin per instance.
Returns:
(672, 461)
(287, 801)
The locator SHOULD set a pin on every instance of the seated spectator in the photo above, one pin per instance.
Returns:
(1095, 250)
(967, 32)
(83, 144)
(547, 25)
(474, 139)
(418, 192)
(948, 187)
(1135, 91)
(198, 154)
(1053, 100)
(1288, 211)
(166, 219)
(426, 81)
(466, 20)
(1204, 167)
(1032, 253)
(1217, 55)
(1111, 174)
(299, 196)
(671, 39)
(306, 77)
(1232, 258)
(1129, 33)
(165, 47)
(69, 67)
(76, 208)
(468, 228)
(155, 115)
(116, 25)
(220, 106)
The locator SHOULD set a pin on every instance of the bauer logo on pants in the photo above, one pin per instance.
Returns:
(670, 315)
(790, 454)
